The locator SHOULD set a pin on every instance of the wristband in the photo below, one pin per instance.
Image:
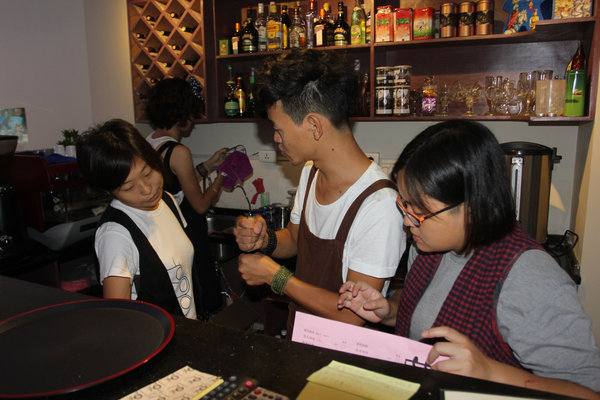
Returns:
(271, 243)
(280, 279)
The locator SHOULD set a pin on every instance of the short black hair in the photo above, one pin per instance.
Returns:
(172, 101)
(105, 153)
(307, 80)
(460, 161)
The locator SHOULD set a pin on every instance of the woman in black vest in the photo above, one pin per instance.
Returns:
(143, 251)
(171, 109)
(477, 281)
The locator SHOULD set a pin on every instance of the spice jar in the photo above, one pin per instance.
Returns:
(484, 20)
(466, 18)
(448, 20)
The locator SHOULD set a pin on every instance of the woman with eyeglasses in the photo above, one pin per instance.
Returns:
(493, 301)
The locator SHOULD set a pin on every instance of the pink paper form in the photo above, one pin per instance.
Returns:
(335, 335)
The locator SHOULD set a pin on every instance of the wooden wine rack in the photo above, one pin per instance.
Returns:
(167, 39)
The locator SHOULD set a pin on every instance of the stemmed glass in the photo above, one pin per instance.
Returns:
(446, 95)
(470, 94)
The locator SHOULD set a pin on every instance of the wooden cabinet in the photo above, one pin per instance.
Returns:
(466, 59)
(168, 39)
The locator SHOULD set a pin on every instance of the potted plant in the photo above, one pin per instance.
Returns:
(66, 146)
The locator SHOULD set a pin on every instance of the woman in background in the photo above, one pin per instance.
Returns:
(503, 308)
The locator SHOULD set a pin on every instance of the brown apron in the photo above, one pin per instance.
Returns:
(319, 261)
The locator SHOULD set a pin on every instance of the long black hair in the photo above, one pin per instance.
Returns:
(458, 162)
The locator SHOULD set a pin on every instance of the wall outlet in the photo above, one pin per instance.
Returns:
(374, 157)
(269, 156)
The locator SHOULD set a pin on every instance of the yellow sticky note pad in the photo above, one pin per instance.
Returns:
(355, 383)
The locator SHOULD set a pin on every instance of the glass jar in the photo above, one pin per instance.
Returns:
(428, 96)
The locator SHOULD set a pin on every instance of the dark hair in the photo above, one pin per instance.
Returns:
(306, 81)
(105, 153)
(461, 161)
(172, 101)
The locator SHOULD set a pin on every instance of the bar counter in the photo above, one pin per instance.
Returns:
(278, 364)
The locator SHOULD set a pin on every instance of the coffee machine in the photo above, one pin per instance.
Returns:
(60, 208)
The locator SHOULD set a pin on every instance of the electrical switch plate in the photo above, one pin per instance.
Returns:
(374, 157)
(269, 156)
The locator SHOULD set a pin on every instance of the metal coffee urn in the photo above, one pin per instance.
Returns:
(530, 168)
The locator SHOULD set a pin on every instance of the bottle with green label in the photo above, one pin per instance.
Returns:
(358, 27)
(231, 103)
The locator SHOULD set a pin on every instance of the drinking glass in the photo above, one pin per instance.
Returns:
(446, 95)
(526, 91)
(492, 83)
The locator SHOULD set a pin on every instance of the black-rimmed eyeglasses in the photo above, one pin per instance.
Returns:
(417, 220)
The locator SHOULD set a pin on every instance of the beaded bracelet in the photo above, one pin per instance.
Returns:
(271, 243)
(280, 279)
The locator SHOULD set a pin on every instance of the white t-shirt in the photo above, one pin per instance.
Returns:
(118, 255)
(376, 239)
(156, 143)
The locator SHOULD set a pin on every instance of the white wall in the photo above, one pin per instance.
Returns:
(67, 63)
(44, 67)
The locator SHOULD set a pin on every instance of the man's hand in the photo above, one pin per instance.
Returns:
(257, 269)
(251, 233)
(366, 301)
(215, 160)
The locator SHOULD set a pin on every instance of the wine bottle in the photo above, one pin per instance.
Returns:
(231, 103)
(358, 29)
(578, 60)
(235, 39)
(311, 18)
(164, 33)
(152, 50)
(261, 27)
(150, 18)
(342, 30)
(140, 36)
(249, 37)
(286, 26)
(188, 62)
(176, 47)
(273, 28)
(240, 95)
(298, 31)
(188, 29)
(174, 15)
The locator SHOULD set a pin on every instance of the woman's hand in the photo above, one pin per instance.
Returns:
(464, 358)
(215, 160)
(366, 301)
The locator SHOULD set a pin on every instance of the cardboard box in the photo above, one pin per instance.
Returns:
(572, 9)
(403, 24)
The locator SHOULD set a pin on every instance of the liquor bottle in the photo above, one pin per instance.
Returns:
(311, 18)
(368, 28)
(578, 60)
(235, 39)
(341, 30)
(240, 95)
(321, 30)
(286, 26)
(249, 35)
(188, 29)
(298, 31)
(251, 105)
(328, 15)
(273, 28)
(261, 27)
(231, 102)
(358, 29)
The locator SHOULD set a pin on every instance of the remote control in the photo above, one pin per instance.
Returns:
(241, 388)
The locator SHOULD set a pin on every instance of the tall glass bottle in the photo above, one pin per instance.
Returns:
(273, 28)
(358, 28)
(235, 39)
(240, 96)
(249, 37)
(231, 103)
(251, 104)
(261, 28)
(341, 31)
(286, 26)
(321, 30)
(311, 18)
(298, 31)
(328, 15)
